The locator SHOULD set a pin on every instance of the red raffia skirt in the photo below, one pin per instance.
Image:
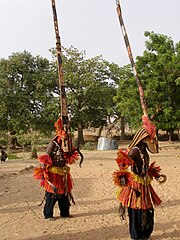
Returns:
(57, 176)
(139, 194)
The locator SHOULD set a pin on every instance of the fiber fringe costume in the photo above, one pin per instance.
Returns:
(134, 178)
(54, 174)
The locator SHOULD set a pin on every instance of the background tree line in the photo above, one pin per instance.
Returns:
(97, 90)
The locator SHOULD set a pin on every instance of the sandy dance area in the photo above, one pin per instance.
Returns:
(95, 215)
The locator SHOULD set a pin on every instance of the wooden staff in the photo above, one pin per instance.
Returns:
(128, 47)
(67, 142)
(63, 102)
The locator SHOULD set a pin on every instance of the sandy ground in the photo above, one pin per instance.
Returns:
(95, 214)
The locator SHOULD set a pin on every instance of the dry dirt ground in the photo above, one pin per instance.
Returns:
(95, 214)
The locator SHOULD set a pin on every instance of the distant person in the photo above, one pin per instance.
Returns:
(3, 156)
(134, 177)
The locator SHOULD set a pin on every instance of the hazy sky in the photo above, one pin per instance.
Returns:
(90, 25)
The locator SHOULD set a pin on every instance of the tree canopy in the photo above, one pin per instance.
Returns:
(159, 72)
(96, 89)
(89, 92)
(26, 92)
(29, 91)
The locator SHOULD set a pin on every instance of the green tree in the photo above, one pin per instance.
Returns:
(26, 93)
(160, 70)
(127, 97)
(89, 93)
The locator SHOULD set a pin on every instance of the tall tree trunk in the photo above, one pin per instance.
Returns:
(80, 140)
(100, 131)
(178, 135)
(170, 135)
(122, 129)
(110, 127)
(12, 140)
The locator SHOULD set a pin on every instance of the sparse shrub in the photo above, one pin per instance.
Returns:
(89, 146)
(12, 156)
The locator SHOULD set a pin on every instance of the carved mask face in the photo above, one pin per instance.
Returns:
(151, 144)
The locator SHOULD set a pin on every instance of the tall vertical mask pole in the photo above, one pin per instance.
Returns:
(63, 101)
(128, 47)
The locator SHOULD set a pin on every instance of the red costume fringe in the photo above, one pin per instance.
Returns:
(53, 176)
(45, 159)
(154, 171)
(137, 192)
(145, 200)
(117, 177)
(71, 158)
(123, 160)
(62, 182)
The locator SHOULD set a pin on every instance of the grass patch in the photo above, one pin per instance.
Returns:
(12, 156)
(90, 146)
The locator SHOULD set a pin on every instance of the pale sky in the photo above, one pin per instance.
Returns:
(90, 25)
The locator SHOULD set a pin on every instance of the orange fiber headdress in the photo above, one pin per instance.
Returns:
(59, 130)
